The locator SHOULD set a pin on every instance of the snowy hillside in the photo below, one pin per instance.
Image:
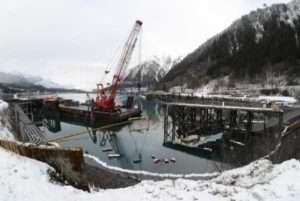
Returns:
(149, 72)
(261, 47)
(286, 13)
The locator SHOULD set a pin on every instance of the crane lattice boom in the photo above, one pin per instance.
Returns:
(105, 100)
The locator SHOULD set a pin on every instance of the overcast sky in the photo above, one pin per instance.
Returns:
(72, 41)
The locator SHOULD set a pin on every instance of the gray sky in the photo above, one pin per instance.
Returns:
(71, 41)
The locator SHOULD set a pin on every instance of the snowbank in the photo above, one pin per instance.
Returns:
(4, 132)
(26, 179)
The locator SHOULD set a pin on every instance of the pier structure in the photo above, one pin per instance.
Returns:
(23, 123)
(183, 120)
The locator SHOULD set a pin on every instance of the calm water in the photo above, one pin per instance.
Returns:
(136, 142)
(140, 141)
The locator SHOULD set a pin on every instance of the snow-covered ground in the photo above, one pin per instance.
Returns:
(25, 179)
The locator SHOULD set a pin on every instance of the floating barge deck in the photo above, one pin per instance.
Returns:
(84, 114)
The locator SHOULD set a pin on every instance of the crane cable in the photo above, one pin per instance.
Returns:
(113, 60)
(108, 68)
(140, 47)
(140, 52)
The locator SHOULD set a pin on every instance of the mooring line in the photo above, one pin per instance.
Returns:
(59, 138)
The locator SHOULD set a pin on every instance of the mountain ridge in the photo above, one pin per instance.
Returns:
(149, 72)
(264, 40)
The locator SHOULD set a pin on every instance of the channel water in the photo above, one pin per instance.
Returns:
(138, 145)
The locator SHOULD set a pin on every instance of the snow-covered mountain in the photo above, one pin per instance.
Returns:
(27, 80)
(261, 45)
(36, 80)
(149, 72)
(284, 13)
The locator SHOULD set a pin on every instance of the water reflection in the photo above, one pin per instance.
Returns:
(138, 145)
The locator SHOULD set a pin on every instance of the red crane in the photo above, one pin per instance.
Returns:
(106, 100)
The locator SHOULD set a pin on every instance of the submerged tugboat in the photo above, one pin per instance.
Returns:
(104, 108)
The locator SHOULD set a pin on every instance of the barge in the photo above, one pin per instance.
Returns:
(87, 115)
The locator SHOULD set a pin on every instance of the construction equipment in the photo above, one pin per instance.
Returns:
(106, 97)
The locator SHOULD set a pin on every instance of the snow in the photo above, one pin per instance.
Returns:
(262, 179)
(26, 179)
(287, 14)
(151, 70)
(4, 132)
(3, 105)
(276, 99)
(206, 92)
(286, 99)
(292, 12)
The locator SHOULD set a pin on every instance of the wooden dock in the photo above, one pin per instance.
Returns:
(182, 119)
